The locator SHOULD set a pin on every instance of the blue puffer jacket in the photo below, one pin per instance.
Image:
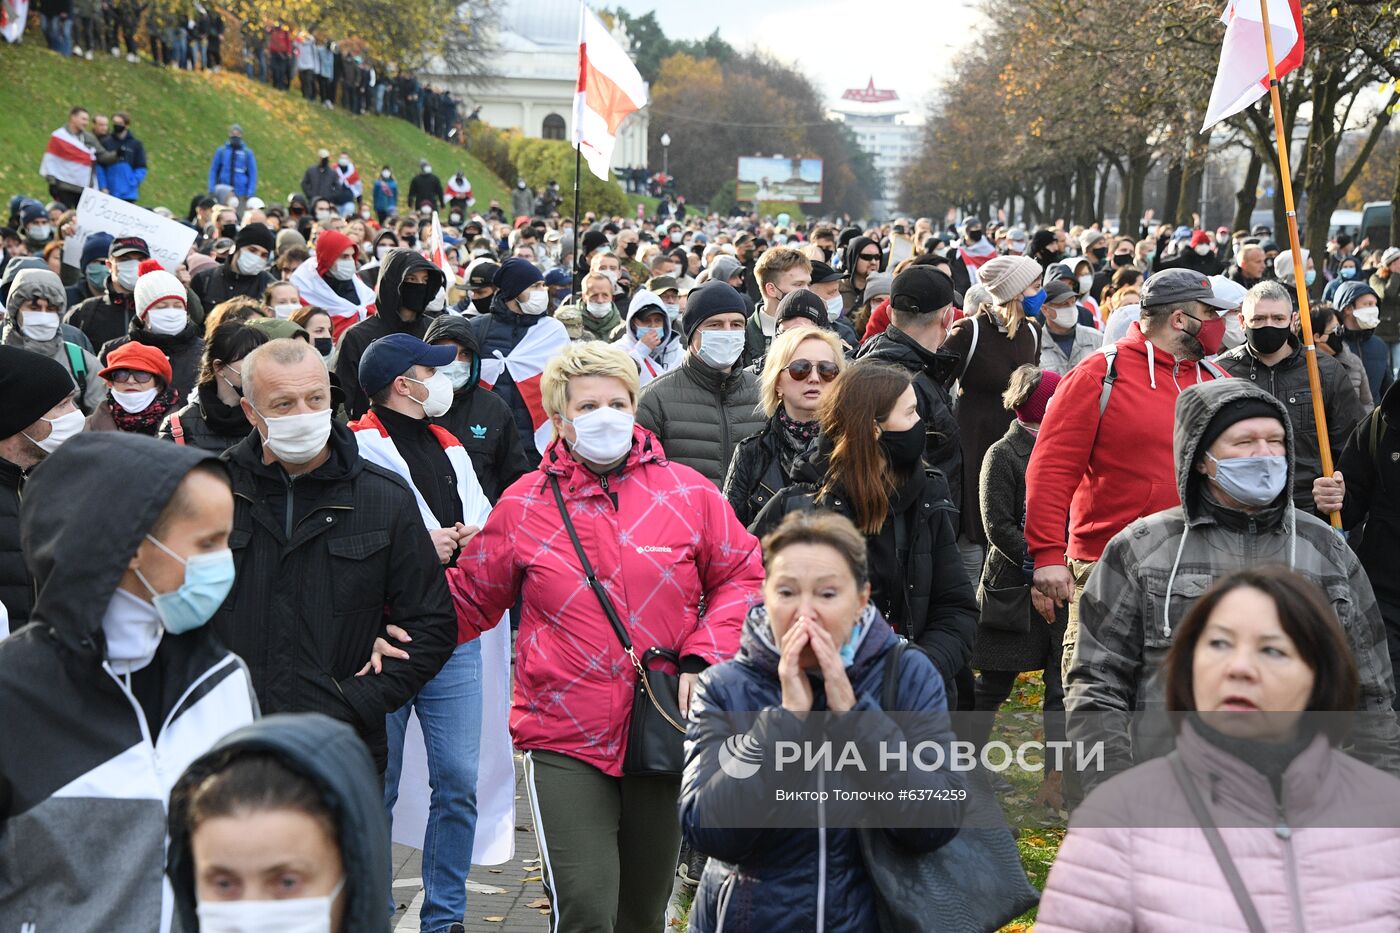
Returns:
(795, 879)
(503, 330)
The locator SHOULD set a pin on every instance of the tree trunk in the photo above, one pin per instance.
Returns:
(1130, 218)
(1173, 198)
(1247, 196)
(1100, 206)
(1083, 210)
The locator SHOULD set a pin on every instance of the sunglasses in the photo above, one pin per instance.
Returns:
(870, 257)
(132, 375)
(801, 369)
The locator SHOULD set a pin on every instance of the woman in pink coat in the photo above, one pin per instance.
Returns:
(682, 573)
(1312, 835)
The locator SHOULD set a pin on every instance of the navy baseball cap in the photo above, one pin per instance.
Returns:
(556, 278)
(390, 357)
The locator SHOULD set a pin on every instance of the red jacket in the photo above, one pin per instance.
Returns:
(671, 542)
(1094, 475)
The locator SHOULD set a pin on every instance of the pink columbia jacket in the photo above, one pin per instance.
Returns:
(671, 544)
(1337, 866)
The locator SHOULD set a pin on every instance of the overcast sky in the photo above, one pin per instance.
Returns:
(905, 44)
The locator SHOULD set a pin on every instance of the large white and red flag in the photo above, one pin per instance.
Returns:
(13, 13)
(351, 177)
(435, 250)
(525, 364)
(609, 88)
(68, 159)
(1243, 77)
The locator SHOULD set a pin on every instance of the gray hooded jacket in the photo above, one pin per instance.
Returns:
(43, 283)
(1154, 569)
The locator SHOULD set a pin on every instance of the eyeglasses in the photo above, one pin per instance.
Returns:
(801, 369)
(132, 375)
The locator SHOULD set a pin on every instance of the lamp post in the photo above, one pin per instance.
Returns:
(666, 153)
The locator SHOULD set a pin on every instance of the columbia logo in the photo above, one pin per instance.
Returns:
(653, 549)
(478, 431)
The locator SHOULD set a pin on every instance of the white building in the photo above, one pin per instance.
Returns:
(533, 74)
(884, 127)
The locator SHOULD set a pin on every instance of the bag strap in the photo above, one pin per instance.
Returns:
(889, 695)
(603, 599)
(1378, 428)
(971, 348)
(78, 364)
(177, 430)
(1110, 353)
(1217, 844)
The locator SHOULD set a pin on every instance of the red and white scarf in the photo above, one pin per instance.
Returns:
(351, 177)
(525, 364)
(315, 292)
(68, 159)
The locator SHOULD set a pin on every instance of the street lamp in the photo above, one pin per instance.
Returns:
(666, 153)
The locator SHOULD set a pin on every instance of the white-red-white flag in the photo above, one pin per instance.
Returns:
(313, 290)
(525, 364)
(68, 158)
(13, 13)
(609, 88)
(1243, 77)
(436, 252)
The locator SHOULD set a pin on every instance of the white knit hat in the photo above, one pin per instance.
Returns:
(1283, 266)
(155, 284)
(1006, 277)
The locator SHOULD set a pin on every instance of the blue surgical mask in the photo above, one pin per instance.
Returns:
(1347, 272)
(848, 650)
(97, 273)
(1251, 481)
(643, 331)
(1031, 304)
(208, 579)
(1310, 276)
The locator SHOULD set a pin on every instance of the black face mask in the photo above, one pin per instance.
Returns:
(974, 235)
(1266, 340)
(482, 305)
(1122, 259)
(228, 231)
(904, 448)
(409, 238)
(1100, 253)
(1052, 255)
(118, 130)
(1334, 341)
(413, 296)
(325, 162)
(324, 345)
(235, 142)
(630, 249)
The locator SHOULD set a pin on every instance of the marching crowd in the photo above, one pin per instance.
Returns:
(358, 456)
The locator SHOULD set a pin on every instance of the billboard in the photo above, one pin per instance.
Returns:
(764, 178)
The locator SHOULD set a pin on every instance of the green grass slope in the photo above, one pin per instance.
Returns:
(182, 117)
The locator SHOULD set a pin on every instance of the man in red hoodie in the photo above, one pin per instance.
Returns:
(1103, 457)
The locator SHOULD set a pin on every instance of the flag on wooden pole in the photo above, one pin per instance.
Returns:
(1243, 76)
(609, 88)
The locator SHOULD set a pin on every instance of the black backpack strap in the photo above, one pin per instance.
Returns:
(889, 695)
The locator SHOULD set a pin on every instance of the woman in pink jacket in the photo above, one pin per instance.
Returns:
(1310, 835)
(682, 573)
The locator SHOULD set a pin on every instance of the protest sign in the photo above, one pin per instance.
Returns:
(169, 241)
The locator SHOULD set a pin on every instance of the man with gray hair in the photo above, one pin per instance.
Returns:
(1272, 357)
(330, 549)
(1249, 265)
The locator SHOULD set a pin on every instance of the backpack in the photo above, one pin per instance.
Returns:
(1110, 376)
(78, 363)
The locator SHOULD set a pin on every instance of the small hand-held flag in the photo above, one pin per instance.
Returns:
(1243, 77)
(609, 88)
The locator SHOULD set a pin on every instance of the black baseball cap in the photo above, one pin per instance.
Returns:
(1060, 292)
(390, 357)
(123, 245)
(921, 289)
(822, 273)
(803, 303)
(1173, 285)
(482, 274)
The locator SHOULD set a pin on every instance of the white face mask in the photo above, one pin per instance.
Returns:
(382, 250)
(290, 915)
(458, 372)
(599, 308)
(386, 174)
(603, 435)
(127, 272)
(833, 307)
(343, 269)
(673, 312)
(133, 631)
(1067, 316)
(250, 263)
(1203, 249)
(1234, 331)
(136, 401)
(166, 321)
(720, 348)
(38, 325)
(536, 304)
(323, 217)
(287, 310)
(61, 429)
(1367, 318)
(1086, 282)
(439, 400)
(439, 301)
(612, 276)
(298, 438)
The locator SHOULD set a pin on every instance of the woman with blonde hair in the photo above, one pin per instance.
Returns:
(797, 372)
(613, 551)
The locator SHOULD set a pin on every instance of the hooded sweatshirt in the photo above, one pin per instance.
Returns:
(330, 755)
(1152, 571)
(42, 283)
(385, 321)
(667, 354)
(88, 756)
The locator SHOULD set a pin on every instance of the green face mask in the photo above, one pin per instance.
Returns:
(96, 275)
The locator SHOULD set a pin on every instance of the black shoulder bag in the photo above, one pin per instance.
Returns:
(655, 737)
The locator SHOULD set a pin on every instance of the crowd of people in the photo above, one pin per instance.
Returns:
(356, 451)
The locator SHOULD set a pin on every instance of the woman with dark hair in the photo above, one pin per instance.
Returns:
(318, 326)
(868, 466)
(817, 643)
(280, 826)
(213, 419)
(1125, 288)
(1329, 332)
(1308, 837)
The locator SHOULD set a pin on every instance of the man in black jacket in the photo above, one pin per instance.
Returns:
(425, 188)
(407, 282)
(322, 180)
(478, 418)
(245, 274)
(36, 393)
(329, 548)
(921, 306)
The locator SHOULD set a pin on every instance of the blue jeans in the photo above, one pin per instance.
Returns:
(1394, 361)
(58, 31)
(449, 710)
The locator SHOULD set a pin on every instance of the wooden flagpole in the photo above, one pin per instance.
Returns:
(1299, 272)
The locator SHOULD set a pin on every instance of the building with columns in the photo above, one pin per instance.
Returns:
(532, 76)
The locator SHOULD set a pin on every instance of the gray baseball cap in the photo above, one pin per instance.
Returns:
(1174, 285)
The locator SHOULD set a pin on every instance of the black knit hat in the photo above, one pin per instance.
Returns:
(256, 234)
(1231, 412)
(708, 300)
(30, 384)
(592, 239)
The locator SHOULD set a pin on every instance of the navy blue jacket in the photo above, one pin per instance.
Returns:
(781, 879)
(503, 330)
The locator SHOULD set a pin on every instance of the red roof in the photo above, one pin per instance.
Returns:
(869, 94)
